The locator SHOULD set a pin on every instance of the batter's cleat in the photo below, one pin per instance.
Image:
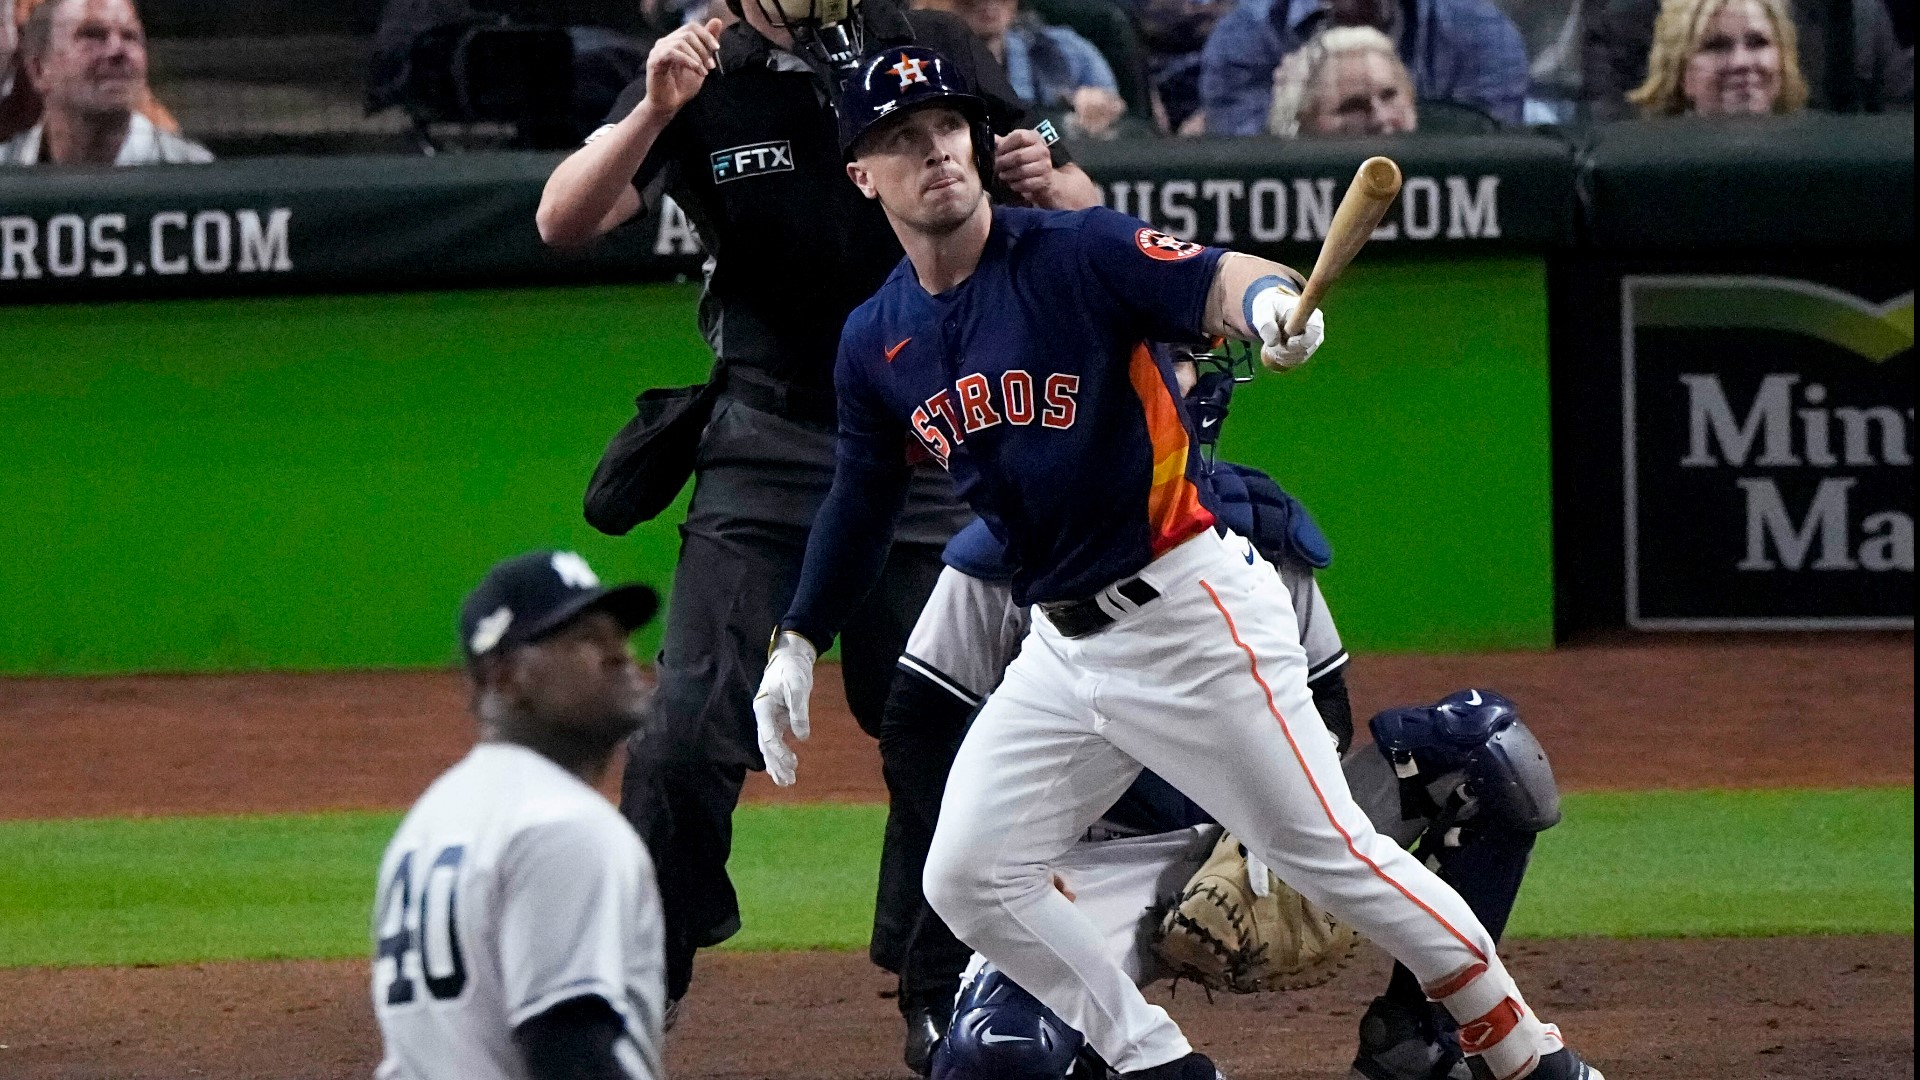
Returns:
(1194, 1066)
(1564, 1064)
(926, 1023)
(1401, 1044)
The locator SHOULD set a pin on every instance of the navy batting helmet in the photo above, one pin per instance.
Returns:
(893, 82)
(1001, 1032)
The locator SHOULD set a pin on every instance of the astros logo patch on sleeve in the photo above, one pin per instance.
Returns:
(1158, 245)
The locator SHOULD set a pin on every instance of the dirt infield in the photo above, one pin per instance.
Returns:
(1799, 711)
(1834, 711)
(1810, 1009)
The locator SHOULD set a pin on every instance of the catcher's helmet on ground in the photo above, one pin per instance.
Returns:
(894, 81)
(1001, 1032)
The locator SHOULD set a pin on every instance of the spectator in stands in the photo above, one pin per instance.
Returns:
(1175, 32)
(1722, 58)
(606, 59)
(87, 60)
(1052, 68)
(1551, 32)
(1346, 81)
(20, 105)
(1620, 37)
(1463, 51)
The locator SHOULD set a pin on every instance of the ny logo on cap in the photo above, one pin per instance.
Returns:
(488, 631)
(574, 571)
(910, 70)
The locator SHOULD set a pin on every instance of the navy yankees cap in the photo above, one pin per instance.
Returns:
(524, 599)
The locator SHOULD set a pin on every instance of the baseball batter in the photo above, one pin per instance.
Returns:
(1462, 784)
(517, 924)
(1010, 346)
(970, 630)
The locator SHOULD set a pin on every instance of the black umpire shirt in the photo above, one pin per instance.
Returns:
(754, 162)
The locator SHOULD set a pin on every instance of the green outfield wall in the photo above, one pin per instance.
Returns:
(314, 482)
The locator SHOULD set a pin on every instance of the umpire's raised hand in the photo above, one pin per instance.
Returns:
(591, 193)
(679, 64)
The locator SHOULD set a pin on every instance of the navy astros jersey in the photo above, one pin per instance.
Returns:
(1032, 381)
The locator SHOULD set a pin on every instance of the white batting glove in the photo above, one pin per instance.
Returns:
(1271, 307)
(780, 708)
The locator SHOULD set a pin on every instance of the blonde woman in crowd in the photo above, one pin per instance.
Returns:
(1346, 81)
(1722, 58)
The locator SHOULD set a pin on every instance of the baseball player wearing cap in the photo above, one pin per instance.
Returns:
(1010, 345)
(737, 127)
(970, 630)
(517, 924)
(1462, 784)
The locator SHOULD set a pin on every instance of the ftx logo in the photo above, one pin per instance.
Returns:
(754, 159)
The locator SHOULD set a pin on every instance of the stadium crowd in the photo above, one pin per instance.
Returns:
(74, 73)
(73, 89)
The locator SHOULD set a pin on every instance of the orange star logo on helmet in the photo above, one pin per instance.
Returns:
(910, 70)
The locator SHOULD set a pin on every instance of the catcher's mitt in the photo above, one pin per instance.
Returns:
(1224, 935)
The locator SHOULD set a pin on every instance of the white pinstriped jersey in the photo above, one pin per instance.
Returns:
(510, 887)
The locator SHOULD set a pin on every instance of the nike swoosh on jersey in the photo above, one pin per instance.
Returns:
(990, 1037)
(895, 351)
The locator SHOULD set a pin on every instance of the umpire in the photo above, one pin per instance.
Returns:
(736, 124)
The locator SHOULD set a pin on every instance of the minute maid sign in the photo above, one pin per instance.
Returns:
(1769, 455)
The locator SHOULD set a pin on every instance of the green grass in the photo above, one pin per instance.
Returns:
(1739, 863)
(1647, 864)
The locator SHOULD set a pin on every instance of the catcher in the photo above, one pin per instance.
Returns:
(1463, 784)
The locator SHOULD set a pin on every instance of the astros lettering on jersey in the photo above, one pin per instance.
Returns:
(1017, 416)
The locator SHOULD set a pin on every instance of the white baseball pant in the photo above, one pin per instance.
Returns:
(1207, 686)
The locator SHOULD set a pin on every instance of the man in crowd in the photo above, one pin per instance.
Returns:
(1464, 51)
(1052, 68)
(87, 60)
(1175, 32)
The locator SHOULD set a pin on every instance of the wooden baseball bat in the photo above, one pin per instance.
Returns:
(1359, 213)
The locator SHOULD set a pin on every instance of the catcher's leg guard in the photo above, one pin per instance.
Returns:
(1400, 1041)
